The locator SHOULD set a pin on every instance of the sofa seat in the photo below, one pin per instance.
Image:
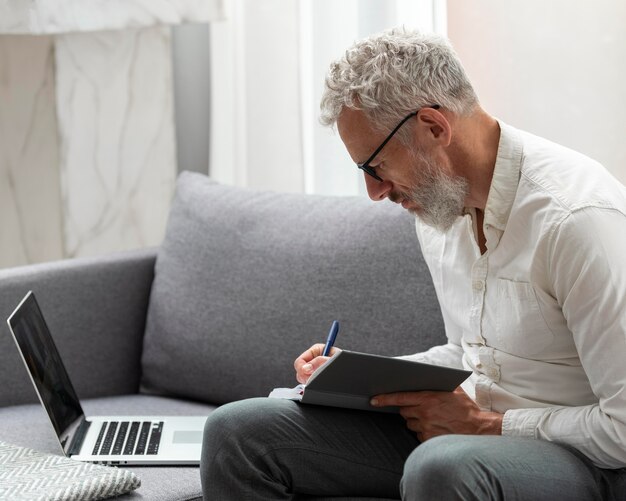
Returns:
(29, 426)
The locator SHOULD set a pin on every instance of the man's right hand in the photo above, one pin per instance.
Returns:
(309, 361)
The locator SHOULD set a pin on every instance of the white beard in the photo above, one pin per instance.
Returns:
(441, 197)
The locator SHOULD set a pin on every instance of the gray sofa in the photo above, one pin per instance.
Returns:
(243, 282)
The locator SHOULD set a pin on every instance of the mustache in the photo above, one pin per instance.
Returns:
(397, 197)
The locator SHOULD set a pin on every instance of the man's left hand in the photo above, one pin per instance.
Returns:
(433, 413)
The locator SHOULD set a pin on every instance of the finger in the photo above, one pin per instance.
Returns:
(307, 370)
(314, 364)
(306, 357)
(414, 425)
(460, 391)
(411, 412)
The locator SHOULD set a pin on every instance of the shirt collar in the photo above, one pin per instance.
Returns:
(505, 179)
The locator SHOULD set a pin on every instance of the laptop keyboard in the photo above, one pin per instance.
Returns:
(129, 438)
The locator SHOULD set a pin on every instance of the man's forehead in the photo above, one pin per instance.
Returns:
(356, 132)
(350, 119)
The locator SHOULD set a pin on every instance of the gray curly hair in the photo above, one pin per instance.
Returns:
(391, 74)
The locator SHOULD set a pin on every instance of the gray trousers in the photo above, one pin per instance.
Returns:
(270, 449)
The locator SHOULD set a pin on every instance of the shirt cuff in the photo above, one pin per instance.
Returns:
(522, 422)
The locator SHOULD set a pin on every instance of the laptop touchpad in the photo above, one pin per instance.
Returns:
(188, 437)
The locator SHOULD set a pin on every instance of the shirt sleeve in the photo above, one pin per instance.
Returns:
(587, 267)
(447, 355)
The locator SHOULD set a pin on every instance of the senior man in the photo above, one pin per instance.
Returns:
(526, 244)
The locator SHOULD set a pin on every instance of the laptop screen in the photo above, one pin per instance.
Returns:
(45, 366)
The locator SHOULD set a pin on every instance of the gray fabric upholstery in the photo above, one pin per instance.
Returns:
(245, 281)
(28, 426)
(95, 309)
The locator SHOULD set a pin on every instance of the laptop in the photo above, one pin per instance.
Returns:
(132, 440)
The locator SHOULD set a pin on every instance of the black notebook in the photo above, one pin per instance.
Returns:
(350, 379)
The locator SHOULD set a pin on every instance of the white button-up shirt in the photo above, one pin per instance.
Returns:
(540, 317)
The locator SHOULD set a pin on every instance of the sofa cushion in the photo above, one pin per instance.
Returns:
(29, 426)
(247, 280)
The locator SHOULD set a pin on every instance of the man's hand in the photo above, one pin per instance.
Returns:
(433, 413)
(309, 361)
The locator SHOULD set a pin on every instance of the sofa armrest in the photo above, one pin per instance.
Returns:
(96, 310)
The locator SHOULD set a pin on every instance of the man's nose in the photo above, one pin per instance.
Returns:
(377, 190)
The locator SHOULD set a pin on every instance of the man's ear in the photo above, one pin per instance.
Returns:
(434, 126)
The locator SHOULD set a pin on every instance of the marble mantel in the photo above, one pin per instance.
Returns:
(87, 135)
(50, 17)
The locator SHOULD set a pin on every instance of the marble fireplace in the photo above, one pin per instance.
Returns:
(87, 133)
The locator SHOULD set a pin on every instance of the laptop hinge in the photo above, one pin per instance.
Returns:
(79, 436)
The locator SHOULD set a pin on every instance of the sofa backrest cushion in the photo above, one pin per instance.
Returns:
(245, 281)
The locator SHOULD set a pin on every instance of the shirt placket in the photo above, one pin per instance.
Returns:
(486, 368)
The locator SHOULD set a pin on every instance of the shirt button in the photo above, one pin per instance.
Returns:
(478, 286)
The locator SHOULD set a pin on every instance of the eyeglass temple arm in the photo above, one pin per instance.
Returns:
(392, 133)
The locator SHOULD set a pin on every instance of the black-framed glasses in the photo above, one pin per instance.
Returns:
(365, 166)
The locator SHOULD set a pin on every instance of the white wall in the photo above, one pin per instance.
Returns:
(555, 68)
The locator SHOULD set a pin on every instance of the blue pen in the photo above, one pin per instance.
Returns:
(332, 335)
